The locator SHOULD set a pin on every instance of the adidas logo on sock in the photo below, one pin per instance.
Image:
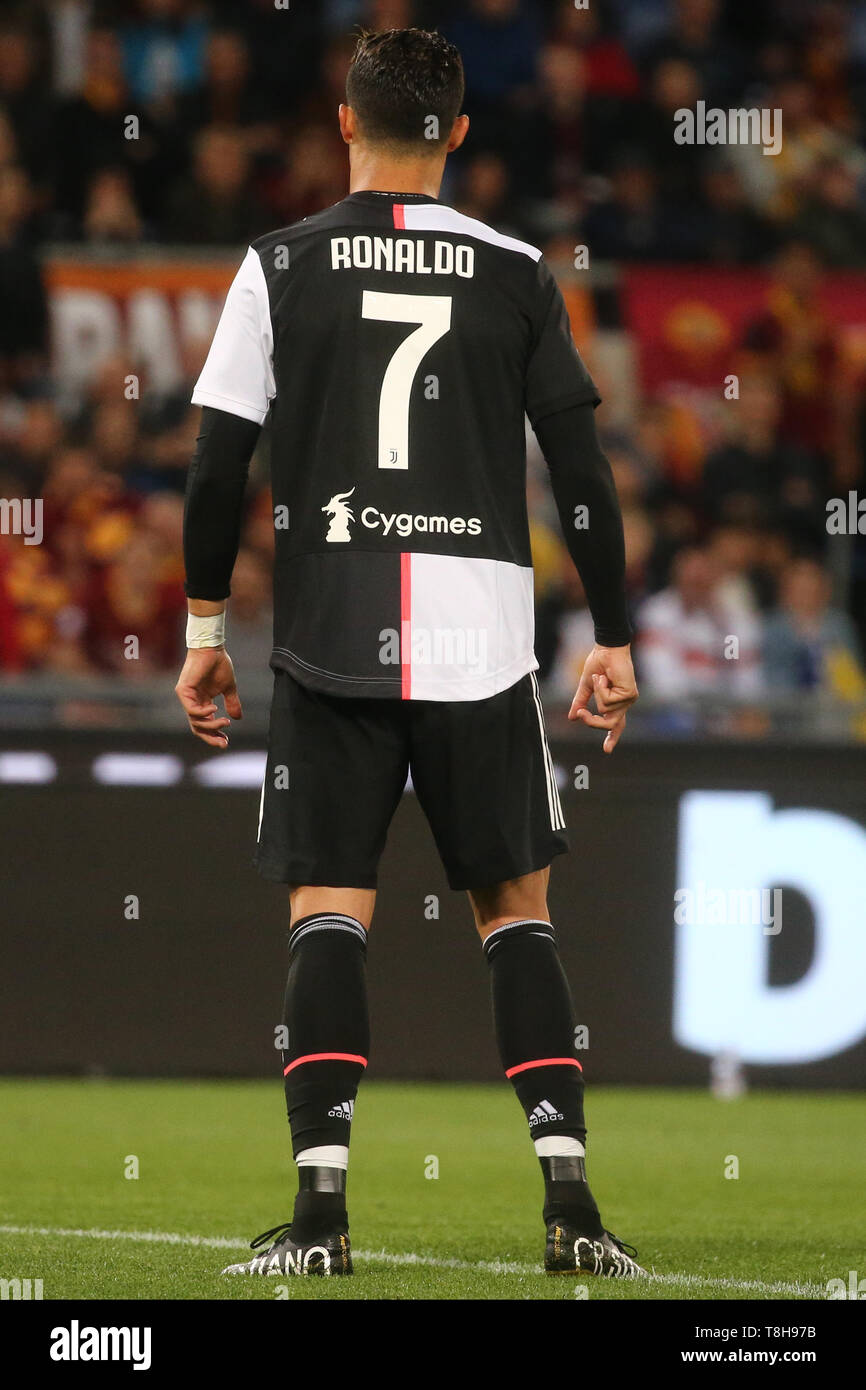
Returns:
(544, 1113)
(344, 1111)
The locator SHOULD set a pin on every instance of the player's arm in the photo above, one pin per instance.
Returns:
(560, 397)
(235, 390)
(589, 512)
(211, 534)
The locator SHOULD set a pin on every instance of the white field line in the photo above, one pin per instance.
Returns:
(680, 1281)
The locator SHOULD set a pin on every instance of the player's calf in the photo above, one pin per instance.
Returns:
(327, 1041)
(534, 1019)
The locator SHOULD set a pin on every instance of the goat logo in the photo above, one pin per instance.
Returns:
(340, 515)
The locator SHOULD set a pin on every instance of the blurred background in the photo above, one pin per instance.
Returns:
(717, 294)
(143, 144)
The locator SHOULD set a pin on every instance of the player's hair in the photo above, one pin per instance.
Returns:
(397, 80)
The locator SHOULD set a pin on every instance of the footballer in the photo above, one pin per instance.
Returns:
(396, 347)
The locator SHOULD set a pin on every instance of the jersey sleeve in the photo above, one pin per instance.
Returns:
(556, 377)
(238, 375)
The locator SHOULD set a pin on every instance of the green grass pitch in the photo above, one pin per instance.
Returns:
(214, 1171)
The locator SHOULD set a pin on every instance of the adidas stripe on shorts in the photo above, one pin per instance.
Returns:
(337, 768)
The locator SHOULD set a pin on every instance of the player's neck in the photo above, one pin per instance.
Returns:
(381, 175)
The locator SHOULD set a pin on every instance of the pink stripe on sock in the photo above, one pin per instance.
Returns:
(545, 1062)
(325, 1057)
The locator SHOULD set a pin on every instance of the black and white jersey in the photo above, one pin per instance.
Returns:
(397, 345)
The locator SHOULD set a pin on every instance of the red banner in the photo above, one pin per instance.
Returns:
(689, 322)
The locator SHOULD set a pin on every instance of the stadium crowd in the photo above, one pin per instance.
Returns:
(572, 112)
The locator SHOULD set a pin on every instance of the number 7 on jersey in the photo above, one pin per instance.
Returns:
(433, 315)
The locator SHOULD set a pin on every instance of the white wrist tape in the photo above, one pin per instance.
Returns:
(206, 632)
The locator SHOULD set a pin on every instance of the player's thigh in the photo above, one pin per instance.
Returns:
(485, 780)
(336, 770)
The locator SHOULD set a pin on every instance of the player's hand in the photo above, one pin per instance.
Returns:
(608, 675)
(207, 672)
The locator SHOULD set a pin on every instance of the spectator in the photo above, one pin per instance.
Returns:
(684, 634)
(40, 596)
(833, 220)
(674, 84)
(792, 340)
(92, 134)
(128, 598)
(166, 451)
(31, 447)
(110, 214)
(776, 185)
(827, 63)
(499, 41)
(550, 145)
(808, 644)
(732, 232)
(114, 435)
(230, 95)
(609, 70)
(23, 307)
(485, 192)
(314, 177)
(734, 554)
(756, 476)
(697, 37)
(163, 49)
(23, 99)
(635, 223)
(217, 205)
(77, 492)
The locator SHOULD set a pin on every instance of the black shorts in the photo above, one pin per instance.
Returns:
(337, 767)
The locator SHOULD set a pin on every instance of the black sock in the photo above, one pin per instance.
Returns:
(328, 1027)
(534, 1020)
(567, 1197)
(320, 1206)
